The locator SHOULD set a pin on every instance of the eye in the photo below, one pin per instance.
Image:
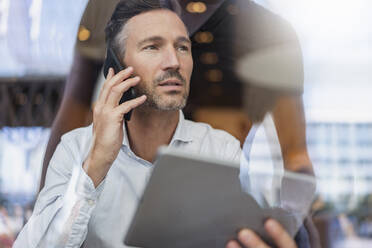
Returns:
(150, 47)
(183, 48)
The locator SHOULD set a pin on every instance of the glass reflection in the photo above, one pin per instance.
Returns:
(336, 94)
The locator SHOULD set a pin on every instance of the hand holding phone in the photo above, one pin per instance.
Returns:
(108, 123)
(113, 62)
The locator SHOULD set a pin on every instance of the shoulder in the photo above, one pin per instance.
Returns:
(200, 130)
(70, 153)
(77, 140)
(77, 134)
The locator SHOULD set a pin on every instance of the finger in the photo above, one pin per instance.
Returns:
(280, 236)
(233, 244)
(118, 90)
(110, 82)
(249, 239)
(127, 106)
(110, 74)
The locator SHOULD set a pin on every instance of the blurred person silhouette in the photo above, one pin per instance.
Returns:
(222, 33)
(85, 177)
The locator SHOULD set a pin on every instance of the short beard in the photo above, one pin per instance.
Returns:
(155, 101)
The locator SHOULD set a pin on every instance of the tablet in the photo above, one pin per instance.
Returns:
(192, 201)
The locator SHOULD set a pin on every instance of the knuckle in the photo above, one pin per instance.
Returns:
(126, 109)
(111, 82)
(116, 89)
(120, 116)
(108, 83)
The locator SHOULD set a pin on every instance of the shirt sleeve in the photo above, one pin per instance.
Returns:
(231, 151)
(64, 206)
(234, 148)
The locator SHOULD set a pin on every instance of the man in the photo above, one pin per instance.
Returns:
(97, 173)
(222, 18)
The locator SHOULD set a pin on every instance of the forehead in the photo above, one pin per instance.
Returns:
(162, 23)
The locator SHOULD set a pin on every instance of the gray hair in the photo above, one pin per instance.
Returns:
(116, 29)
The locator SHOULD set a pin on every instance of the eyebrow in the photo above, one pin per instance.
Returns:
(183, 39)
(159, 39)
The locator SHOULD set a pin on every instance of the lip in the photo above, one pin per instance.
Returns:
(171, 85)
(171, 82)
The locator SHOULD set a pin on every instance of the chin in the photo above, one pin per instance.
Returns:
(171, 105)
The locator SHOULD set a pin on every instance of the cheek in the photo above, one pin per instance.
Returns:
(134, 60)
(143, 66)
(141, 71)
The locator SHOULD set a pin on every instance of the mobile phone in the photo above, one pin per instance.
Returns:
(113, 62)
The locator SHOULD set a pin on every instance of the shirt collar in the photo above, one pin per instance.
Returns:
(181, 134)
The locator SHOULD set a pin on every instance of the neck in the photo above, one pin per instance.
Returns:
(149, 129)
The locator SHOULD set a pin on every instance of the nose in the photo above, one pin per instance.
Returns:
(171, 59)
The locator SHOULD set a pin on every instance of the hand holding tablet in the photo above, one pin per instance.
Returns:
(192, 201)
(249, 239)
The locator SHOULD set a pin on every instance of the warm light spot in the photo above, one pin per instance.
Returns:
(214, 75)
(209, 58)
(204, 37)
(83, 34)
(196, 7)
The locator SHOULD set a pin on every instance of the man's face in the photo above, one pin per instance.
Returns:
(159, 50)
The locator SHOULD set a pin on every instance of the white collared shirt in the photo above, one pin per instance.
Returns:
(70, 210)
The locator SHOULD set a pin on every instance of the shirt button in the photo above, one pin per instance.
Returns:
(90, 202)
